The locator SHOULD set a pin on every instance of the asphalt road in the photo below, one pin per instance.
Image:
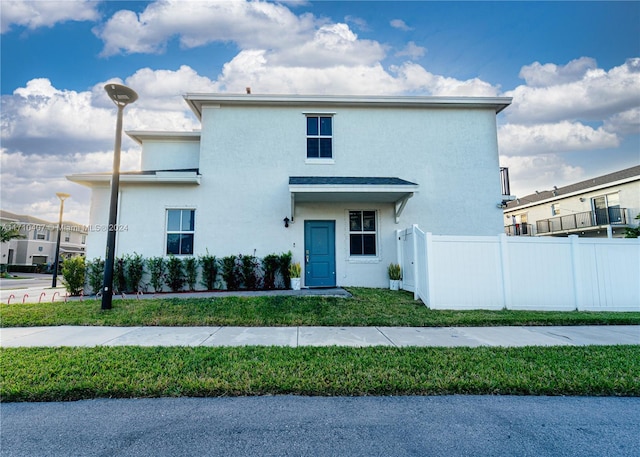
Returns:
(35, 280)
(319, 426)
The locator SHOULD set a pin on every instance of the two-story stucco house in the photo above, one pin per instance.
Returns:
(600, 207)
(39, 237)
(330, 178)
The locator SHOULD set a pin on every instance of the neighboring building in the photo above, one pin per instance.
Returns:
(600, 207)
(38, 247)
(330, 178)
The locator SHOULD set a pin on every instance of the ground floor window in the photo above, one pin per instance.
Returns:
(180, 231)
(362, 233)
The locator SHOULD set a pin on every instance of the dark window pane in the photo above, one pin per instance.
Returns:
(187, 220)
(356, 244)
(312, 125)
(173, 220)
(325, 126)
(325, 147)
(173, 243)
(313, 147)
(355, 221)
(186, 244)
(369, 221)
(369, 244)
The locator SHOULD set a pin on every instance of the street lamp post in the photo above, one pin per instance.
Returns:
(121, 96)
(62, 196)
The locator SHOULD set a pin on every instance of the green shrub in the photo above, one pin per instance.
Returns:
(175, 273)
(134, 267)
(190, 265)
(119, 280)
(73, 271)
(157, 271)
(250, 272)
(231, 272)
(633, 232)
(270, 266)
(209, 265)
(283, 267)
(95, 274)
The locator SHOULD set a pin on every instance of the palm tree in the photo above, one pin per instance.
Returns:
(9, 232)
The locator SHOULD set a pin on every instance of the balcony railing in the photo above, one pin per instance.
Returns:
(519, 230)
(577, 221)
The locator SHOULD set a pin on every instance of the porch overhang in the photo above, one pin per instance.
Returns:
(397, 191)
(189, 176)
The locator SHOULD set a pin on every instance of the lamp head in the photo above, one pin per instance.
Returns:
(121, 95)
(62, 196)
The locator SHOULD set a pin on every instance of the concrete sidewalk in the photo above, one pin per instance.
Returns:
(320, 336)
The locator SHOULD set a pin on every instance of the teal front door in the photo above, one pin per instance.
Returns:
(320, 253)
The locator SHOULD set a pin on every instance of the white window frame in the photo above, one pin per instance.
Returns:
(320, 160)
(363, 258)
(179, 232)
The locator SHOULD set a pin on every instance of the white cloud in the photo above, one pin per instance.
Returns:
(254, 68)
(624, 123)
(590, 94)
(541, 172)
(515, 139)
(400, 24)
(40, 118)
(196, 23)
(416, 78)
(412, 50)
(538, 75)
(330, 45)
(34, 14)
(30, 181)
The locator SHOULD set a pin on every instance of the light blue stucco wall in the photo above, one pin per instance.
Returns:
(247, 155)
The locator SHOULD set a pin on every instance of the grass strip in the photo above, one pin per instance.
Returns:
(61, 374)
(367, 307)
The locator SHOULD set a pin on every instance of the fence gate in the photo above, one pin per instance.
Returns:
(407, 262)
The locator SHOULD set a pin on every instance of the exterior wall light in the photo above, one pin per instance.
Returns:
(286, 221)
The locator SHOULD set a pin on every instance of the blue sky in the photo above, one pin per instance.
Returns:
(573, 69)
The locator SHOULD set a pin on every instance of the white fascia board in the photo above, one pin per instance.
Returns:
(139, 136)
(166, 177)
(196, 101)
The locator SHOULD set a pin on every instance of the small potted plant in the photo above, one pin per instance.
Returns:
(395, 275)
(294, 273)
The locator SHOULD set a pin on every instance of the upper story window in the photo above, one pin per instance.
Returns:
(41, 235)
(362, 233)
(67, 237)
(180, 231)
(319, 137)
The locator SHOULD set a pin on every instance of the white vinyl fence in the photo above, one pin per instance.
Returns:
(541, 273)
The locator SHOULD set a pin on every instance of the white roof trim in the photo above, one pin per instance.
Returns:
(159, 177)
(310, 102)
(140, 135)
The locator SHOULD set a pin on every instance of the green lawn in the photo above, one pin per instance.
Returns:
(59, 374)
(368, 307)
